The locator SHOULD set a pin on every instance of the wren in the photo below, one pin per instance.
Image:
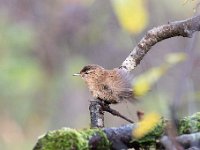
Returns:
(110, 86)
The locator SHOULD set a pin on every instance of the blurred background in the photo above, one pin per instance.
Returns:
(42, 43)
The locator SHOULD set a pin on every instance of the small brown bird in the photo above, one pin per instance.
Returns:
(110, 86)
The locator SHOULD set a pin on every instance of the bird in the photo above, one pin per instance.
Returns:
(110, 86)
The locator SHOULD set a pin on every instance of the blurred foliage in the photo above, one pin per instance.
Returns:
(75, 67)
(132, 15)
(186, 1)
(15, 36)
(144, 82)
(19, 72)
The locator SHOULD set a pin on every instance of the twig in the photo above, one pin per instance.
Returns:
(97, 108)
(107, 108)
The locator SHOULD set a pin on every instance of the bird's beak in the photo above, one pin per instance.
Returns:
(76, 74)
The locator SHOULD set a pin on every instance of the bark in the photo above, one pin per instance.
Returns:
(186, 140)
(96, 114)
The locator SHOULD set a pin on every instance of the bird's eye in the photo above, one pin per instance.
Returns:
(89, 71)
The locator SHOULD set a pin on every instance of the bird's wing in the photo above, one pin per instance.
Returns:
(120, 84)
(119, 79)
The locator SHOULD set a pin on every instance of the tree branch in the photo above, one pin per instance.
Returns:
(184, 28)
(96, 114)
(186, 140)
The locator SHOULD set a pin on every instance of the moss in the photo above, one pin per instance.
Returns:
(70, 139)
(103, 144)
(189, 124)
(152, 136)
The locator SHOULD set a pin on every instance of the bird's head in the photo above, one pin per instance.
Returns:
(89, 71)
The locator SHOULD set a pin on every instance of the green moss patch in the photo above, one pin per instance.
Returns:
(71, 139)
(189, 124)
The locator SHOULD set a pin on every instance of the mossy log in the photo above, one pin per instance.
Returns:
(113, 138)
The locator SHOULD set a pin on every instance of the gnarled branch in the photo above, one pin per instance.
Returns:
(184, 28)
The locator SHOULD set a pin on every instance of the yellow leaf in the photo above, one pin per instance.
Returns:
(186, 1)
(141, 87)
(174, 58)
(145, 81)
(131, 14)
(146, 125)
